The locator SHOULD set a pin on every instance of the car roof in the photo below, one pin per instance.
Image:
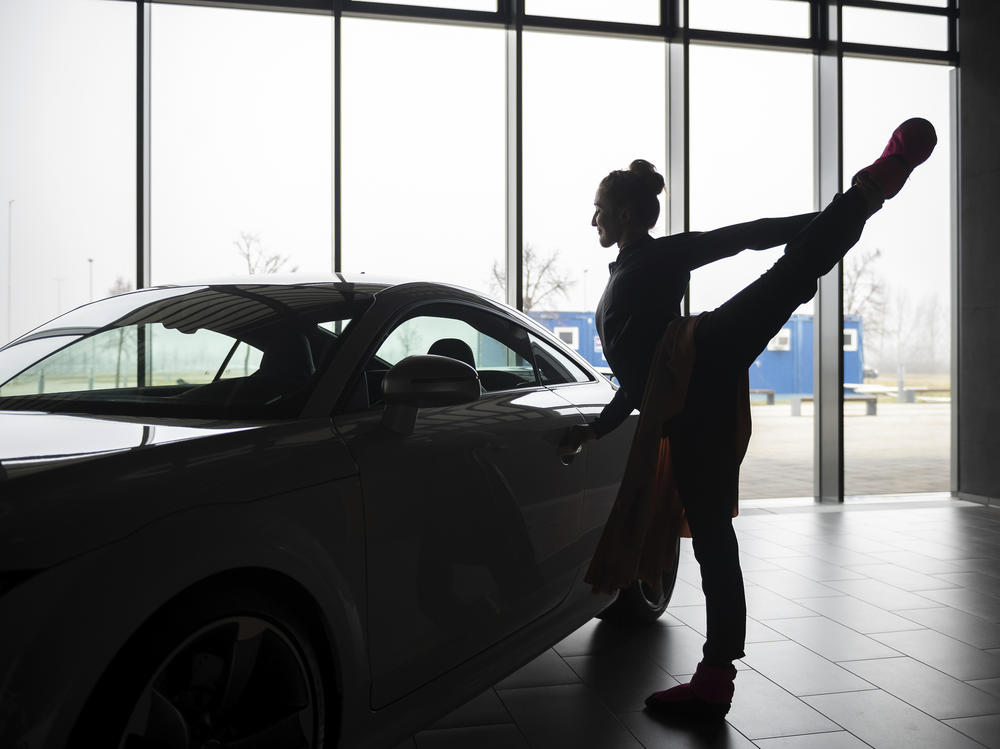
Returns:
(359, 281)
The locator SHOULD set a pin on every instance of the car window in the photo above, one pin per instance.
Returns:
(107, 360)
(498, 362)
(497, 348)
(554, 367)
(244, 351)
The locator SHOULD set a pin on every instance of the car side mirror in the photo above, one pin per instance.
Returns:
(425, 381)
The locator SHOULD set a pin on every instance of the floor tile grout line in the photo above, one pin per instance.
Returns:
(845, 626)
(513, 720)
(645, 746)
(972, 738)
(813, 733)
(922, 663)
(885, 611)
(918, 709)
(896, 697)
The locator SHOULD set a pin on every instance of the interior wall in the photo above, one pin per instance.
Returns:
(979, 259)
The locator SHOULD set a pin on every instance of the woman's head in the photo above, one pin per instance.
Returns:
(627, 203)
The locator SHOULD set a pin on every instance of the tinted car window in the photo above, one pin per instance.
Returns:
(107, 361)
(554, 367)
(497, 348)
(243, 351)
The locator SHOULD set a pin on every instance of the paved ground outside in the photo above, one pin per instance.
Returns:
(905, 447)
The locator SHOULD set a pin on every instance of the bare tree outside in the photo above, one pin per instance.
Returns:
(917, 332)
(120, 286)
(544, 280)
(864, 289)
(259, 261)
(901, 333)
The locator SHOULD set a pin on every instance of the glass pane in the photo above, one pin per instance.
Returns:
(67, 156)
(485, 5)
(101, 362)
(554, 368)
(621, 11)
(742, 168)
(896, 290)
(424, 151)
(499, 365)
(218, 352)
(895, 28)
(197, 357)
(241, 165)
(776, 17)
(574, 135)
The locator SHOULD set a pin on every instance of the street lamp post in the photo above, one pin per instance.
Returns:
(90, 267)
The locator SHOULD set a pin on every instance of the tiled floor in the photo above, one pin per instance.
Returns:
(871, 624)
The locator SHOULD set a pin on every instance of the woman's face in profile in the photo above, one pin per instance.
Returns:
(609, 227)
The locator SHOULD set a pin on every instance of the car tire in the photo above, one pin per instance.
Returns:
(642, 604)
(235, 666)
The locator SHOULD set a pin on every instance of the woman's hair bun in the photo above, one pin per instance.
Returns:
(647, 174)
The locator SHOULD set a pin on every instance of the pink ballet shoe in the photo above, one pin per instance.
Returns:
(910, 145)
(708, 696)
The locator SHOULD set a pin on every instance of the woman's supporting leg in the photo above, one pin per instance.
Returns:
(717, 551)
(708, 480)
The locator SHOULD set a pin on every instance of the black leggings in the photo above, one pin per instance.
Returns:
(727, 341)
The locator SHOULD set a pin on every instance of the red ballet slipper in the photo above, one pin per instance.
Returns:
(910, 145)
(708, 696)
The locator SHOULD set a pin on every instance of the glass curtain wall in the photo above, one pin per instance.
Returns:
(424, 151)
(241, 139)
(591, 105)
(751, 156)
(241, 166)
(897, 288)
(67, 156)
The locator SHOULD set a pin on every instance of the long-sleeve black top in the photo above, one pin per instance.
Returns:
(644, 293)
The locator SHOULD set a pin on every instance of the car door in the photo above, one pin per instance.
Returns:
(470, 519)
(604, 459)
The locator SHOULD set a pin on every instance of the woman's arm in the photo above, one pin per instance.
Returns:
(613, 414)
(702, 248)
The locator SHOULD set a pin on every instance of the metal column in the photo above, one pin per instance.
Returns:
(828, 373)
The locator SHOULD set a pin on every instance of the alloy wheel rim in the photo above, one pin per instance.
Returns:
(653, 595)
(237, 683)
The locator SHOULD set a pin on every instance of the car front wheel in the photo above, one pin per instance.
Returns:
(642, 603)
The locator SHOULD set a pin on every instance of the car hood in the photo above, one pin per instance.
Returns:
(71, 483)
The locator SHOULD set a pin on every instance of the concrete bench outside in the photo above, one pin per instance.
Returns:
(870, 401)
(768, 394)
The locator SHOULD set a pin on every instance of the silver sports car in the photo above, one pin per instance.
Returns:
(291, 513)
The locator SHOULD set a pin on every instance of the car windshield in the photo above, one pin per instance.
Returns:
(231, 352)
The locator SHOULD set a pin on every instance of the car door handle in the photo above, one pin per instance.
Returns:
(567, 453)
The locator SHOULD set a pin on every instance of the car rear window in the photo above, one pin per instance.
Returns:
(224, 352)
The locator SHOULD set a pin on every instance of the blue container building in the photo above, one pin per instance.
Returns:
(785, 366)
